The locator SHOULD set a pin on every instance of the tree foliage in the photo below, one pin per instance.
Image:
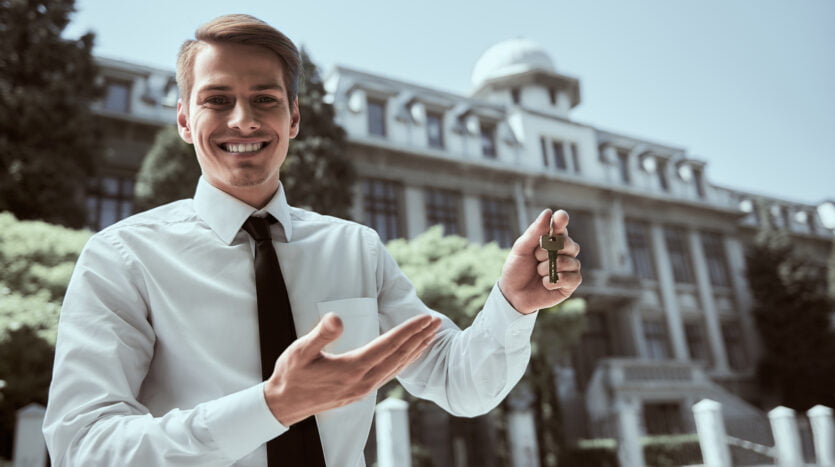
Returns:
(169, 171)
(315, 175)
(455, 277)
(793, 314)
(36, 261)
(47, 136)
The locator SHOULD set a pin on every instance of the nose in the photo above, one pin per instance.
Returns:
(243, 118)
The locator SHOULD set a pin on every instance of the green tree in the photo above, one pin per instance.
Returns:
(455, 277)
(36, 261)
(48, 142)
(316, 174)
(793, 314)
(169, 171)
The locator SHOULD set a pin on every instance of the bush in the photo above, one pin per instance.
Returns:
(590, 453)
(672, 450)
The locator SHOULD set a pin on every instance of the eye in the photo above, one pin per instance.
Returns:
(217, 100)
(265, 99)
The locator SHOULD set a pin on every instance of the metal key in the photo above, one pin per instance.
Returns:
(552, 244)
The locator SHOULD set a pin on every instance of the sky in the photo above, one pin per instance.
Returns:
(746, 85)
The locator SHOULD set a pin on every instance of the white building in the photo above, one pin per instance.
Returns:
(663, 248)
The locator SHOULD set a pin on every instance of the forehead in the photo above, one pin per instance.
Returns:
(232, 65)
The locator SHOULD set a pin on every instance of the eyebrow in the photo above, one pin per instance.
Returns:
(257, 87)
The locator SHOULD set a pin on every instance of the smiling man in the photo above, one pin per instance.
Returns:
(220, 331)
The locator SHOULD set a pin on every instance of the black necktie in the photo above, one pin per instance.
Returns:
(300, 446)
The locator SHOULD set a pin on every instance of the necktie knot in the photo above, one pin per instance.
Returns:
(258, 227)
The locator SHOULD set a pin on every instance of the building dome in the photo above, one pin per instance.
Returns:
(511, 57)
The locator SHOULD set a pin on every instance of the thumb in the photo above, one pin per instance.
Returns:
(530, 239)
(326, 331)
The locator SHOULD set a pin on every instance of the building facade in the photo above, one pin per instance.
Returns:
(663, 249)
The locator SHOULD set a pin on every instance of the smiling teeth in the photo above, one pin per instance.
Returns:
(245, 147)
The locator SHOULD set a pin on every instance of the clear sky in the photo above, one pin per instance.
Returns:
(748, 86)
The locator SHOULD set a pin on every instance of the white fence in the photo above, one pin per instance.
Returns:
(787, 450)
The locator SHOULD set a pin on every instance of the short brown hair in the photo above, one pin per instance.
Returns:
(239, 29)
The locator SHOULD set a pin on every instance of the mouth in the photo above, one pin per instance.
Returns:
(243, 148)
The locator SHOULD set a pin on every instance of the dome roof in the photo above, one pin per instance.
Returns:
(510, 57)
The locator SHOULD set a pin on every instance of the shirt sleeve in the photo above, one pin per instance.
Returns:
(466, 372)
(104, 348)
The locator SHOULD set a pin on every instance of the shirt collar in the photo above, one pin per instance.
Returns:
(225, 214)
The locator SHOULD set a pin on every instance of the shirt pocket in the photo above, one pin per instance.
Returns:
(360, 323)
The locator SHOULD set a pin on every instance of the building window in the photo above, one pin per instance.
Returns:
(109, 200)
(443, 207)
(694, 333)
(582, 230)
(575, 157)
(497, 220)
(117, 96)
(376, 117)
(488, 140)
(655, 337)
(661, 170)
(698, 179)
(552, 95)
(717, 264)
(676, 240)
(435, 130)
(640, 250)
(381, 202)
(623, 167)
(559, 155)
(663, 418)
(544, 146)
(514, 94)
(734, 345)
(595, 344)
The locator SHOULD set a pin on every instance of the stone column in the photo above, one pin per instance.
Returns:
(736, 262)
(619, 257)
(669, 298)
(711, 316)
(415, 210)
(823, 432)
(472, 218)
(29, 445)
(521, 202)
(392, 422)
(786, 437)
(630, 450)
(712, 437)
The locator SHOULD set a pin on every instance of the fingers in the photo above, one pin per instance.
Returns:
(571, 248)
(564, 264)
(530, 239)
(398, 341)
(559, 221)
(327, 331)
(567, 280)
(383, 373)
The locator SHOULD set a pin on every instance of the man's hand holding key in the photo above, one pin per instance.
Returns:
(526, 279)
(307, 380)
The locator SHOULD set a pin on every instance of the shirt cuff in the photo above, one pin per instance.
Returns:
(505, 323)
(241, 422)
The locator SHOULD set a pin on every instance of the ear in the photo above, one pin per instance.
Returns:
(182, 122)
(295, 118)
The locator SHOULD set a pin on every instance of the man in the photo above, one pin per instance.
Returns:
(158, 359)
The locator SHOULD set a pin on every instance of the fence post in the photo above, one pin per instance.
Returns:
(521, 429)
(392, 421)
(786, 437)
(630, 449)
(823, 432)
(713, 439)
(29, 445)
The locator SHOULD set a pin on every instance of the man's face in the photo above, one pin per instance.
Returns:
(239, 119)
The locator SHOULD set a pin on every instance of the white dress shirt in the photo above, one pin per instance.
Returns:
(157, 360)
